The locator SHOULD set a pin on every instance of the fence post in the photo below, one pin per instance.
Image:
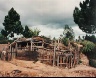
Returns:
(54, 54)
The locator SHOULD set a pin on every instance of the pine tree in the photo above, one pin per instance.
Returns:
(12, 24)
(27, 32)
(85, 17)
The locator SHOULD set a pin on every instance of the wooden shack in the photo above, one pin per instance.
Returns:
(26, 44)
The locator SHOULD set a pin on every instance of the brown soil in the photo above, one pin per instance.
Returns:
(21, 68)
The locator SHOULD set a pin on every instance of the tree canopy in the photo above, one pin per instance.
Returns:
(85, 17)
(68, 32)
(35, 32)
(27, 33)
(12, 24)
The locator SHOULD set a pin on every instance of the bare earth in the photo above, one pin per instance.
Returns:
(31, 69)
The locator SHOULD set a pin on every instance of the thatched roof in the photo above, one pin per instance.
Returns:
(38, 38)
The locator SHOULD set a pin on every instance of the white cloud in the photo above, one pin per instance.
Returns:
(78, 32)
(47, 31)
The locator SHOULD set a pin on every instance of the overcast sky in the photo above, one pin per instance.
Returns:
(49, 16)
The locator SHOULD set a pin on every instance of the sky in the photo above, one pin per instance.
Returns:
(49, 16)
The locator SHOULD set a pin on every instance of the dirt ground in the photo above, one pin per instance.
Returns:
(22, 68)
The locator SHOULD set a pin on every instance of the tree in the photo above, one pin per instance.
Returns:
(35, 32)
(1, 37)
(65, 41)
(30, 33)
(27, 33)
(68, 32)
(12, 24)
(4, 33)
(79, 38)
(86, 16)
(91, 38)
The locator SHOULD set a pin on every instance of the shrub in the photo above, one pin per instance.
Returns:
(92, 62)
(65, 41)
(88, 46)
(5, 41)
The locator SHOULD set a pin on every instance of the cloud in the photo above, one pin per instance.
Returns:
(78, 32)
(47, 31)
(51, 15)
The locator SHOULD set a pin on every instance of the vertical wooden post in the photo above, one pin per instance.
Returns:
(27, 44)
(58, 44)
(42, 43)
(31, 44)
(58, 61)
(10, 47)
(54, 54)
(16, 49)
(12, 53)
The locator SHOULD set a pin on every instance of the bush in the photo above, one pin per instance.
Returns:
(5, 41)
(88, 46)
(92, 62)
(65, 41)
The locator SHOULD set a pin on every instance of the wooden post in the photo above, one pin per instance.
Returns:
(16, 46)
(16, 49)
(31, 44)
(10, 47)
(58, 61)
(42, 43)
(54, 54)
(58, 44)
(12, 53)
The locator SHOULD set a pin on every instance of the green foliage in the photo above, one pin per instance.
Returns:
(12, 24)
(65, 41)
(90, 38)
(68, 32)
(35, 32)
(4, 33)
(5, 41)
(2, 37)
(27, 33)
(92, 62)
(85, 17)
(88, 46)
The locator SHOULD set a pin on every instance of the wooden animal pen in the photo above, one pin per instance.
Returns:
(51, 55)
(61, 58)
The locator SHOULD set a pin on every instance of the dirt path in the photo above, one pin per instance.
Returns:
(31, 69)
